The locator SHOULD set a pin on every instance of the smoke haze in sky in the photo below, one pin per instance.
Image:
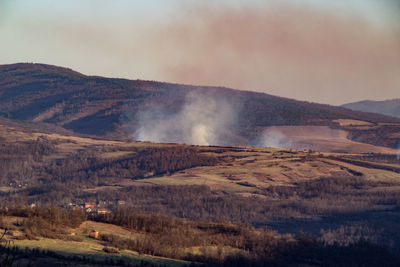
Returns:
(323, 51)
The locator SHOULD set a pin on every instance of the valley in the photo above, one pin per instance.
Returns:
(229, 133)
(169, 176)
(280, 192)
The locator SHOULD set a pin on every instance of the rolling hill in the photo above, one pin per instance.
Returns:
(285, 190)
(387, 107)
(195, 199)
(170, 113)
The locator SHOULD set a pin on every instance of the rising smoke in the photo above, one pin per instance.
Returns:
(272, 137)
(202, 120)
(300, 137)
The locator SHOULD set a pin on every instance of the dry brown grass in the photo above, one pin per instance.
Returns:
(245, 174)
(347, 122)
(242, 169)
(325, 139)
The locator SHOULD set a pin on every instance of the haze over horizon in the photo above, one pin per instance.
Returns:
(310, 50)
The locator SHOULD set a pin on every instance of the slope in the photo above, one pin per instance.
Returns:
(387, 107)
(116, 108)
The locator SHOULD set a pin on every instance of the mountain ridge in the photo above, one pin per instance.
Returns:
(390, 107)
(109, 107)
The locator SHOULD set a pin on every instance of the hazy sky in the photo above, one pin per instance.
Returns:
(323, 51)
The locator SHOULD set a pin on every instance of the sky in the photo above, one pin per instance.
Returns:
(323, 51)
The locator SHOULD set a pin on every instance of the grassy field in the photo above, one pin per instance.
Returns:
(238, 169)
(347, 122)
(233, 171)
(87, 246)
(246, 171)
(91, 248)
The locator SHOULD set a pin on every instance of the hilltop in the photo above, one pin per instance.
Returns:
(387, 107)
(115, 108)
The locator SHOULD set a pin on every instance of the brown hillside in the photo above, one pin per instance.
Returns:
(110, 107)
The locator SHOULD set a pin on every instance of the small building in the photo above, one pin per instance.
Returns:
(89, 205)
(121, 202)
(94, 234)
(103, 211)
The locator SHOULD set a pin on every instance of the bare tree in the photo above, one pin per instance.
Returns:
(6, 257)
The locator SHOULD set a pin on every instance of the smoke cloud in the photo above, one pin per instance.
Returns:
(320, 138)
(286, 48)
(202, 120)
(398, 153)
(272, 137)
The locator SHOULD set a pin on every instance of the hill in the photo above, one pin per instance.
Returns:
(387, 107)
(170, 113)
(50, 237)
(50, 182)
(198, 182)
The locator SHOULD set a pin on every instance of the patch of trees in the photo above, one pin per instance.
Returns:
(23, 163)
(19, 160)
(225, 244)
(36, 149)
(325, 196)
(309, 252)
(345, 186)
(88, 169)
(383, 158)
(219, 243)
(15, 256)
(169, 237)
(50, 222)
(368, 164)
(380, 136)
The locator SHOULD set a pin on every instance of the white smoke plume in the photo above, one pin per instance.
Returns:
(272, 137)
(398, 152)
(201, 121)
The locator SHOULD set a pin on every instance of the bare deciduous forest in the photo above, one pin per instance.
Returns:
(67, 171)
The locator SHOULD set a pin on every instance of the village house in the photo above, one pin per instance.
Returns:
(121, 202)
(89, 205)
(94, 234)
(103, 211)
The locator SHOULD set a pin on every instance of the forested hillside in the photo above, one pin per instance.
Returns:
(114, 108)
(348, 199)
(387, 107)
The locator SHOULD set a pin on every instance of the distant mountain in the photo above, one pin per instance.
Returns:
(125, 109)
(387, 107)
